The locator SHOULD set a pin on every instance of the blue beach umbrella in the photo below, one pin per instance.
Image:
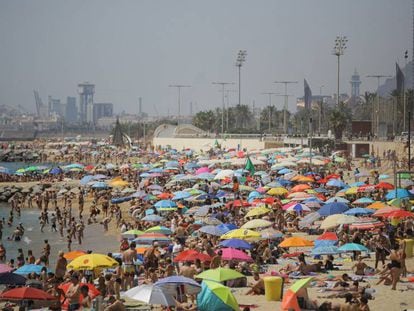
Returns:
(215, 296)
(29, 268)
(337, 199)
(227, 227)
(212, 230)
(10, 278)
(100, 185)
(351, 247)
(359, 211)
(332, 208)
(336, 183)
(363, 201)
(398, 193)
(86, 179)
(153, 218)
(235, 243)
(173, 285)
(180, 195)
(55, 171)
(165, 204)
(325, 250)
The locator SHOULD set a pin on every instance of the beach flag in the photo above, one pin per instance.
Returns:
(249, 166)
(308, 95)
(400, 79)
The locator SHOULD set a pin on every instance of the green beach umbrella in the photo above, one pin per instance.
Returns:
(219, 275)
(300, 284)
(159, 229)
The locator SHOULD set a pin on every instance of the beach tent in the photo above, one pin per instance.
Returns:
(290, 297)
(215, 296)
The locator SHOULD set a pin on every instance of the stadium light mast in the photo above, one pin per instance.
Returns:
(338, 51)
(241, 58)
(179, 87)
(223, 84)
(285, 124)
(270, 106)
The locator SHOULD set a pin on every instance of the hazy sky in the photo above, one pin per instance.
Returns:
(137, 48)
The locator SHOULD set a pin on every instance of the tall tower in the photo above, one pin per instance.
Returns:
(355, 83)
(86, 91)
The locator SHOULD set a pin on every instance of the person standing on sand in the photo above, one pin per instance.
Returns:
(128, 265)
(61, 264)
(73, 293)
(46, 252)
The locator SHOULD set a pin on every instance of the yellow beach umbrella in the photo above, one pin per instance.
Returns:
(352, 190)
(118, 182)
(256, 223)
(260, 210)
(277, 191)
(296, 241)
(243, 234)
(92, 261)
(377, 205)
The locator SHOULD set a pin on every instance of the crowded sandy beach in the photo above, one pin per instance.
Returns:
(166, 229)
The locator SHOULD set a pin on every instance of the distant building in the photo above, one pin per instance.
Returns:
(55, 107)
(355, 83)
(102, 110)
(86, 91)
(71, 111)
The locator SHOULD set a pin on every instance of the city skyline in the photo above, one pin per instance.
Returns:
(136, 49)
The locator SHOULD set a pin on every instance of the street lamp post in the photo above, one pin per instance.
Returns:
(320, 109)
(223, 84)
(270, 107)
(179, 87)
(285, 126)
(338, 50)
(376, 111)
(241, 58)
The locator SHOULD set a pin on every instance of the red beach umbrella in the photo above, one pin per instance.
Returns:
(191, 255)
(25, 293)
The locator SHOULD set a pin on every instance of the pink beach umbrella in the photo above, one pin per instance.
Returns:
(202, 170)
(235, 254)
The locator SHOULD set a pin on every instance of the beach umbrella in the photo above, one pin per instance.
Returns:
(243, 234)
(191, 255)
(131, 234)
(73, 254)
(298, 207)
(212, 221)
(277, 191)
(363, 201)
(55, 171)
(212, 230)
(386, 210)
(9, 278)
(224, 174)
(165, 204)
(359, 211)
(352, 190)
(377, 205)
(150, 294)
(335, 220)
(29, 268)
(254, 195)
(180, 195)
(399, 214)
(177, 283)
(159, 229)
(384, 185)
(309, 219)
(270, 234)
(26, 293)
(332, 208)
(153, 218)
(295, 242)
(336, 183)
(398, 193)
(215, 296)
(100, 185)
(353, 247)
(256, 223)
(93, 292)
(325, 250)
(300, 188)
(118, 182)
(227, 227)
(92, 261)
(366, 224)
(337, 199)
(148, 238)
(383, 176)
(257, 211)
(235, 243)
(219, 275)
(327, 236)
(234, 254)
